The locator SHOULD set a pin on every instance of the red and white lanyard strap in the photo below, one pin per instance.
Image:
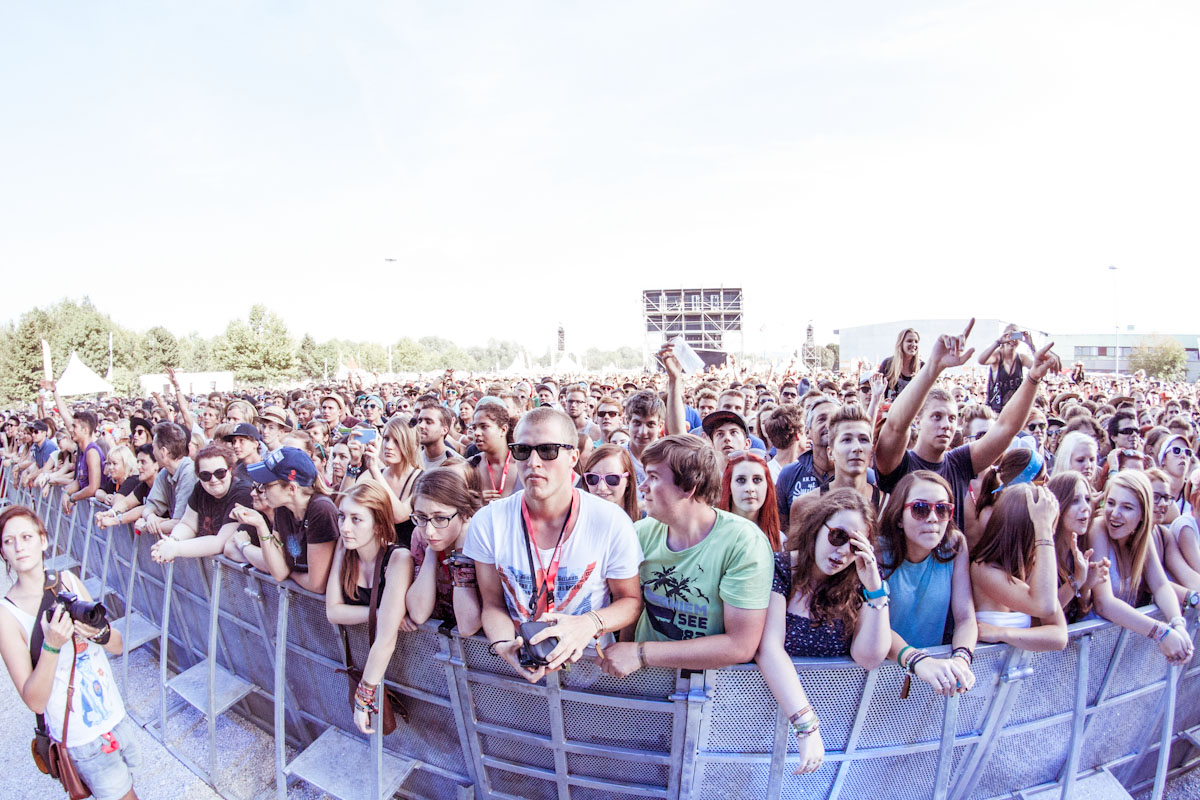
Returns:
(503, 475)
(542, 599)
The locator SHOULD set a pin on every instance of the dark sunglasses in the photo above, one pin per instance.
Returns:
(1127, 431)
(207, 476)
(837, 536)
(1035, 426)
(546, 452)
(605, 414)
(788, 394)
(611, 478)
(921, 508)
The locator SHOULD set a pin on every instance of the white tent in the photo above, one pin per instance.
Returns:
(77, 379)
(566, 366)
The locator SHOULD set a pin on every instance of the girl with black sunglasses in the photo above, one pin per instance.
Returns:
(827, 601)
(923, 555)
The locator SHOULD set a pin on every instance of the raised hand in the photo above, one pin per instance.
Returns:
(1044, 361)
(1042, 506)
(670, 363)
(951, 351)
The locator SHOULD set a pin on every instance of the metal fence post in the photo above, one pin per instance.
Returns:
(941, 775)
(1075, 747)
(281, 626)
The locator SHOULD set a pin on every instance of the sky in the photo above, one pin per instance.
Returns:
(493, 169)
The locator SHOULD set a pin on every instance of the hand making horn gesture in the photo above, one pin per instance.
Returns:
(951, 351)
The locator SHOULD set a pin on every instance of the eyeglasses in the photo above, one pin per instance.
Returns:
(421, 520)
(1127, 431)
(261, 487)
(1035, 426)
(611, 478)
(206, 476)
(576, 402)
(1159, 497)
(372, 405)
(921, 509)
(607, 414)
(546, 452)
(837, 536)
(1176, 450)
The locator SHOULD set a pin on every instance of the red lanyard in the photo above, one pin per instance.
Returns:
(542, 599)
(503, 475)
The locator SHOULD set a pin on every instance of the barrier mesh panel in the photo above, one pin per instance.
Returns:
(866, 778)
(528, 753)
(973, 706)
(424, 783)
(521, 786)
(618, 770)
(430, 735)
(1118, 730)
(621, 727)
(890, 720)
(320, 692)
(522, 712)
(724, 780)
(807, 787)
(309, 629)
(1023, 760)
(1104, 642)
(1048, 691)
(1187, 703)
(478, 659)
(415, 664)
(1141, 663)
(649, 682)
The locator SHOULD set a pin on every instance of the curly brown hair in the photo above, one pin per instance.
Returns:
(836, 597)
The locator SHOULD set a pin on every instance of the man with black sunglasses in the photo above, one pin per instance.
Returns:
(208, 523)
(551, 553)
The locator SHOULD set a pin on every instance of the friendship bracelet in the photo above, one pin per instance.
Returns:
(1074, 585)
(804, 734)
(794, 718)
(1043, 543)
(900, 655)
(641, 651)
(965, 653)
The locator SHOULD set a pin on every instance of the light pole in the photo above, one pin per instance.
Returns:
(1116, 326)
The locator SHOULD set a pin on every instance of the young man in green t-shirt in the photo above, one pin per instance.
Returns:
(706, 577)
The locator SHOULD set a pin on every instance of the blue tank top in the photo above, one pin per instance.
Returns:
(920, 600)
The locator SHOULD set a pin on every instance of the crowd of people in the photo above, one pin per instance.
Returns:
(660, 520)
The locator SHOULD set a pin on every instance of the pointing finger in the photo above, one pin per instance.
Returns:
(967, 331)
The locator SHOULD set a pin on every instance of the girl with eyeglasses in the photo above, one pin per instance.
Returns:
(444, 587)
(924, 557)
(748, 491)
(827, 601)
(1122, 533)
(1014, 572)
(208, 524)
(607, 473)
(1078, 570)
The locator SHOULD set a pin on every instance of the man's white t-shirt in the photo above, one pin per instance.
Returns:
(602, 545)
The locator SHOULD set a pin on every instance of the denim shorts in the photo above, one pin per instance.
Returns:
(108, 774)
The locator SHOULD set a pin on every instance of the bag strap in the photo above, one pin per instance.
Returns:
(37, 638)
(70, 690)
(373, 608)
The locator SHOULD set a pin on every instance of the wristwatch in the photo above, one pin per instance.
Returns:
(882, 591)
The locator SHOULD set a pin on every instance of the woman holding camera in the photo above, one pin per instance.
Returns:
(1006, 366)
(71, 663)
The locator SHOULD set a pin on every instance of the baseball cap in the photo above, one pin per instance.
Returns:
(244, 429)
(718, 418)
(285, 464)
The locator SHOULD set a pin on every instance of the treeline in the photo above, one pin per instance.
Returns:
(258, 350)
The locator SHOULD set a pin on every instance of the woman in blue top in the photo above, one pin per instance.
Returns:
(820, 607)
(924, 558)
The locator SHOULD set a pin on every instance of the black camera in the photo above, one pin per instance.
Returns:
(90, 612)
(537, 655)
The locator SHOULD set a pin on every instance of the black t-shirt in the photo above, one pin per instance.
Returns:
(902, 380)
(320, 525)
(140, 491)
(211, 512)
(956, 468)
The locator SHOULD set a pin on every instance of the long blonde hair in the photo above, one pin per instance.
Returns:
(1138, 548)
(896, 368)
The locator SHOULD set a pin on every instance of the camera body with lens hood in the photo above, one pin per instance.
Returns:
(90, 612)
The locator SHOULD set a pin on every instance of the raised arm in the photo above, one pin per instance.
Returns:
(948, 351)
(676, 415)
(188, 420)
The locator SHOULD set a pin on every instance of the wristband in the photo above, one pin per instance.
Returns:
(882, 591)
(1178, 622)
(1043, 543)
(50, 649)
(641, 651)
(900, 655)
(964, 653)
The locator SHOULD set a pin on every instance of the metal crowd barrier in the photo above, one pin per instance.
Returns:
(1107, 709)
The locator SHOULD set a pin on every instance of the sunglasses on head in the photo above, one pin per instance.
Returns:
(921, 509)
(546, 452)
(837, 536)
(207, 476)
(611, 478)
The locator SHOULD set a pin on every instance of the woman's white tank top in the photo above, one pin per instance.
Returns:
(97, 706)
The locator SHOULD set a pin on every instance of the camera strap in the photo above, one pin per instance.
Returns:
(544, 589)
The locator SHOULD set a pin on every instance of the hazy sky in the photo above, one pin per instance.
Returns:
(530, 163)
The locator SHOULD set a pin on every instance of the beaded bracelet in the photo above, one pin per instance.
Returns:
(915, 659)
(1075, 586)
(806, 732)
(965, 653)
(881, 603)
(641, 651)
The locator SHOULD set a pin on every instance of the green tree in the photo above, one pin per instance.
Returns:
(258, 349)
(1161, 357)
(408, 356)
(160, 350)
(308, 362)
